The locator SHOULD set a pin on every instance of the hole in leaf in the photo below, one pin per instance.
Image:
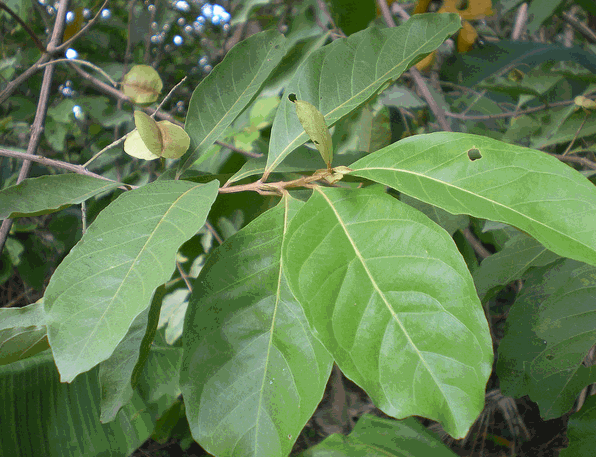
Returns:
(474, 154)
(292, 98)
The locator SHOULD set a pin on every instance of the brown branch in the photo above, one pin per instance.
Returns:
(482, 252)
(485, 117)
(79, 169)
(416, 75)
(582, 28)
(15, 83)
(87, 26)
(22, 23)
(573, 159)
(323, 8)
(40, 114)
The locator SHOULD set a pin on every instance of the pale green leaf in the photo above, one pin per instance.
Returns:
(135, 146)
(175, 140)
(226, 91)
(109, 276)
(47, 194)
(314, 125)
(253, 373)
(389, 295)
(343, 75)
(521, 187)
(142, 84)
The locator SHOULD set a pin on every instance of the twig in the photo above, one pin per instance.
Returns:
(88, 25)
(484, 117)
(168, 96)
(83, 62)
(184, 276)
(107, 148)
(582, 28)
(482, 252)
(127, 56)
(520, 22)
(573, 159)
(211, 229)
(416, 76)
(15, 83)
(40, 114)
(323, 8)
(80, 169)
(576, 134)
(22, 23)
(231, 147)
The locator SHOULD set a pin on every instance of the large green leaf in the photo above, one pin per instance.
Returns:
(387, 292)
(22, 332)
(519, 254)
(41, 416)
(226, 91)
(521, 187)
(343, 75)
(550, 329)
(253, 373)
(377, 437)
(109, 276)
(46, 194)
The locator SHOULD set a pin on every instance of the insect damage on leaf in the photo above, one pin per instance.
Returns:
(314, 125)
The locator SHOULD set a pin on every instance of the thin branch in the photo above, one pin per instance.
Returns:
(80, 169)
(582, 28)
(574, 159)
(485, 117)
(40, 114)
(107, 148)
(15, 83)
(87, 26)
(323, 8)
(572, 142)
(22, 23)
(165, 99)
(231, 147)
(83, 62)
(482, 252)
(520, 22)
(415, 73)
(216, 235)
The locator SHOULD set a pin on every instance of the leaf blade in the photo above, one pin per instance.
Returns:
(110, 282)
(518, 186)
(366, 267)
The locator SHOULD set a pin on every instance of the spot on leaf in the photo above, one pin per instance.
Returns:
(474, 154)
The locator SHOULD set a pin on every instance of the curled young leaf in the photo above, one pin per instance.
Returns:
(152, 140)
(315, 127)
(142, 83)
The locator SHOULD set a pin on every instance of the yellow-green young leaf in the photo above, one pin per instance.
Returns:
(142, 83)
(135, 146)
(150, 133)
(175, 141)
(315, 127)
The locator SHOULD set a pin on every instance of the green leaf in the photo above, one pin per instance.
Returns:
(451, 223)
(519, 254)
(550, 329)
(41, 416)
(377, 437)
(142, 84)
(238, 17)
(109, 276)
(47, 194)
(521, 187)
(226, 91)
(388, 294)
(22, 332)
(314, 125)
(251, 366)
(343, 75)
(581, 431)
